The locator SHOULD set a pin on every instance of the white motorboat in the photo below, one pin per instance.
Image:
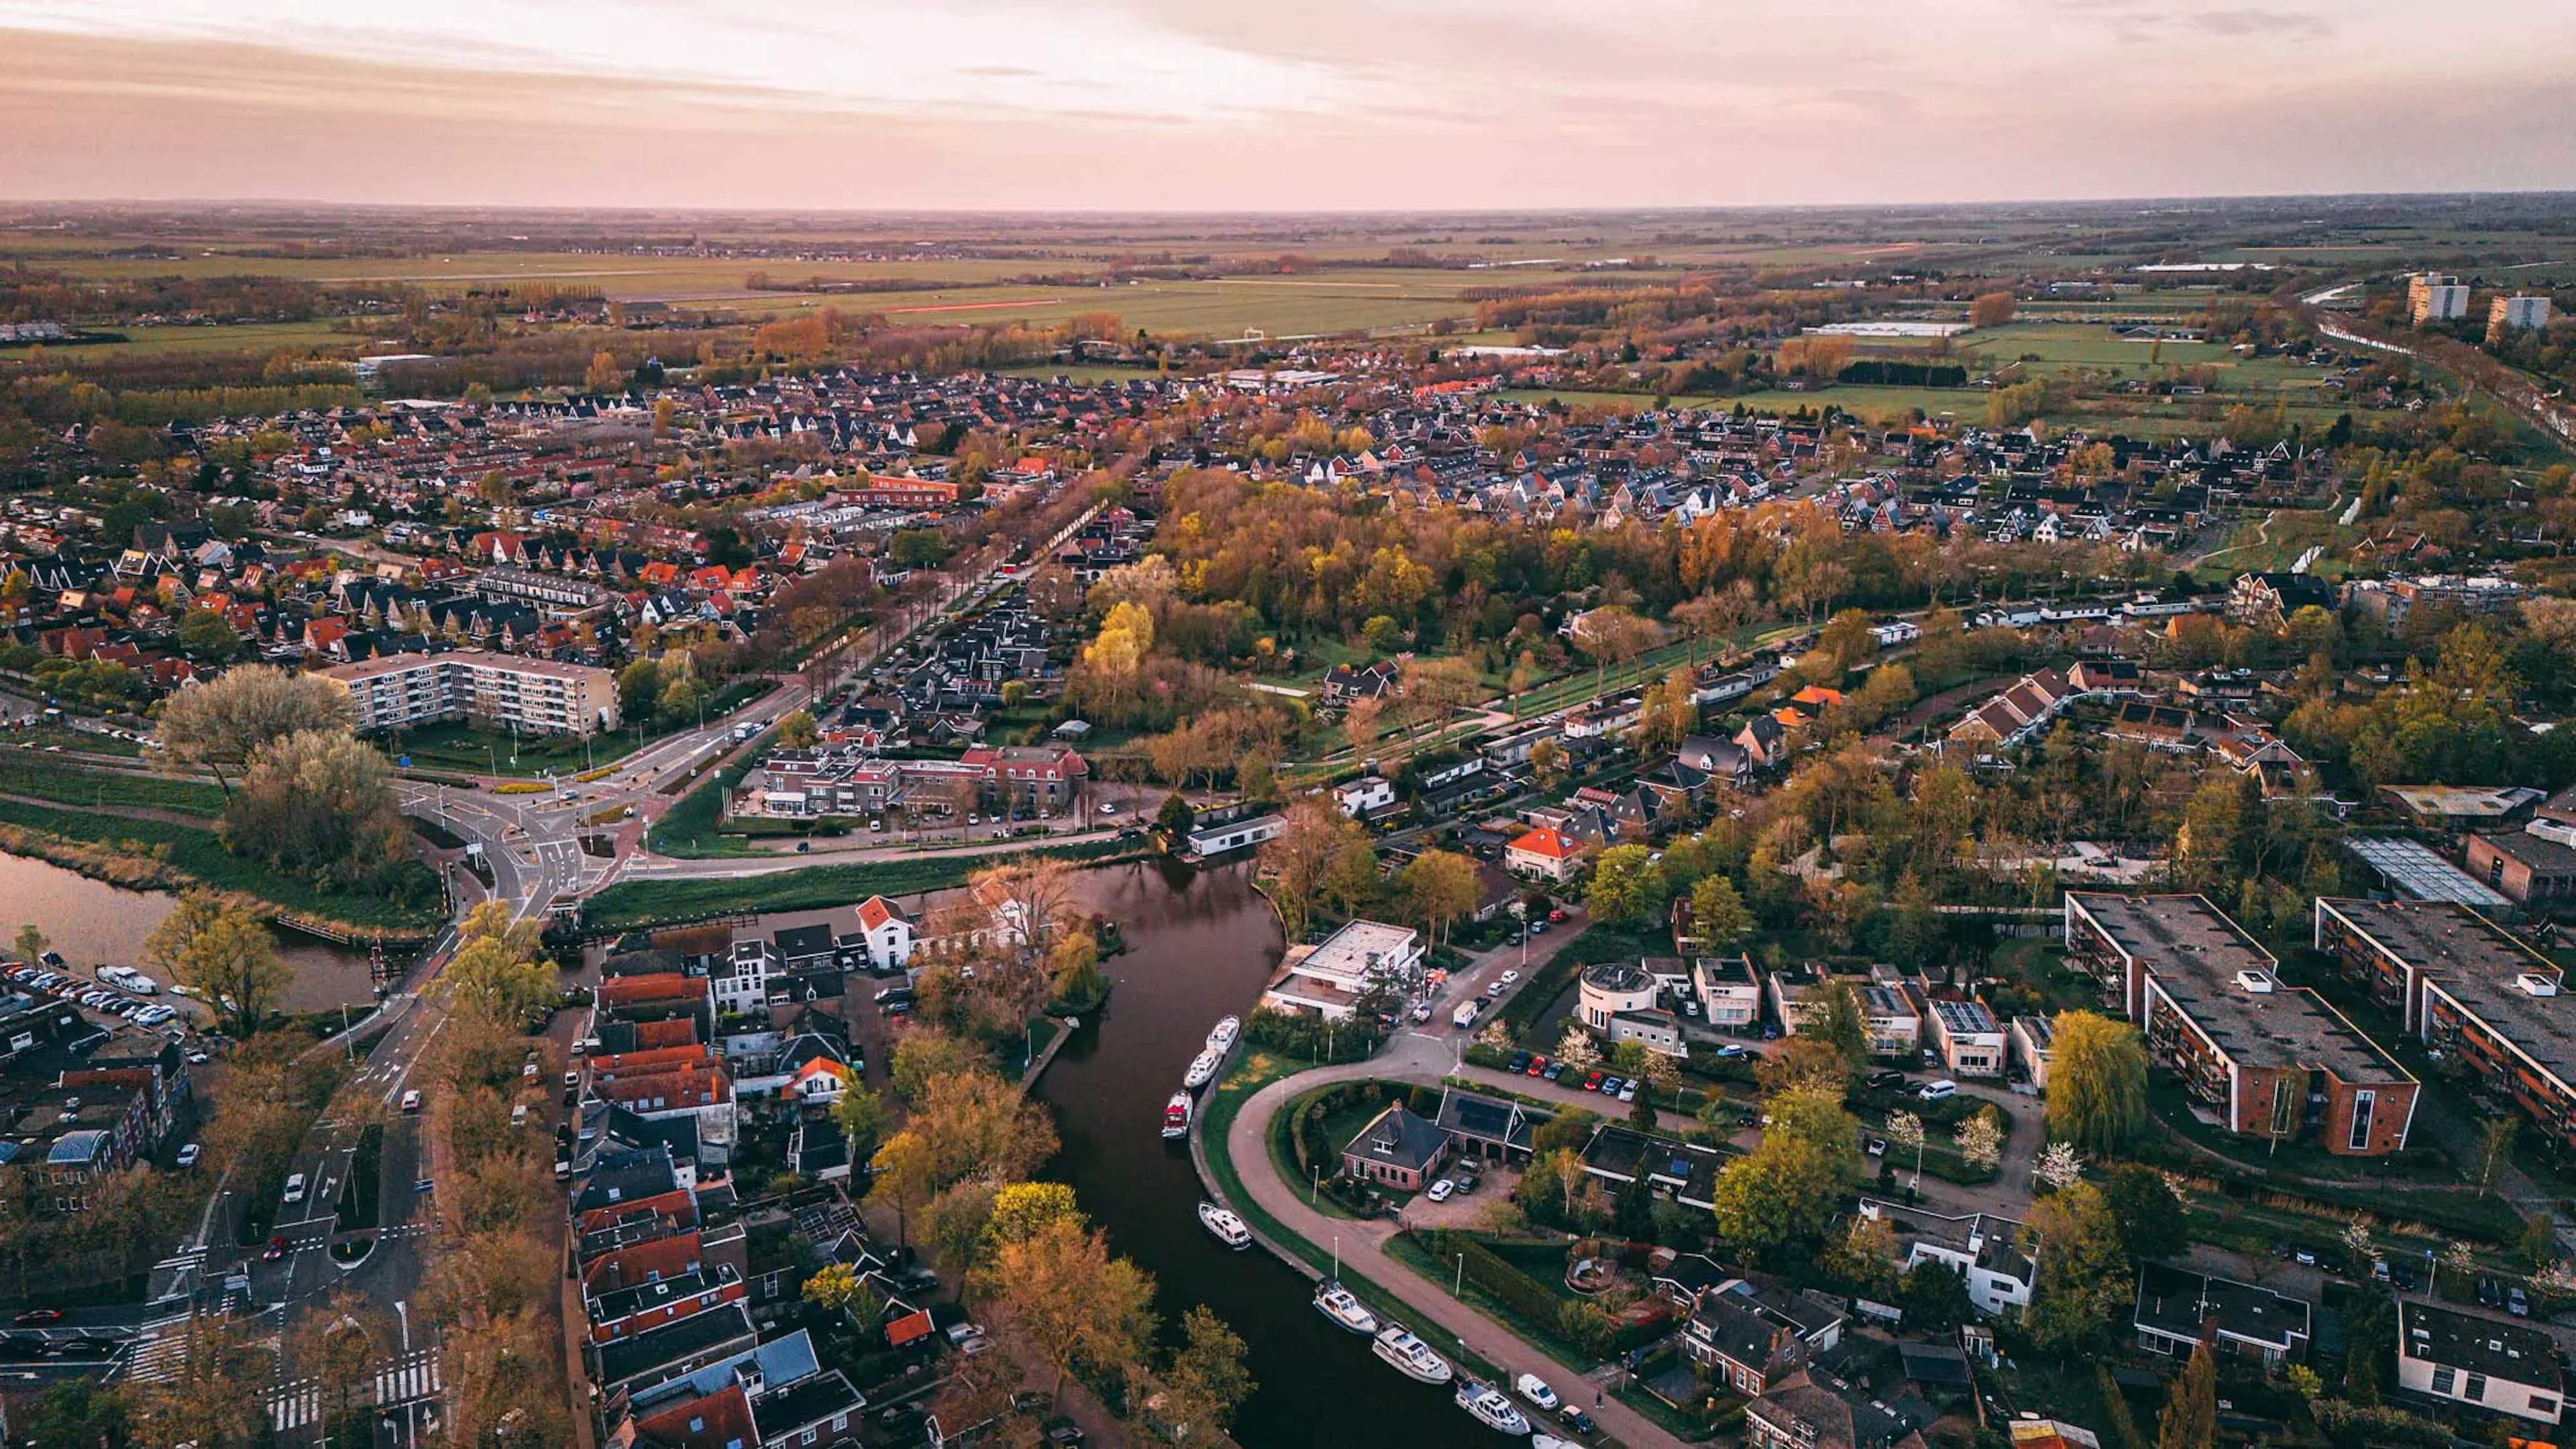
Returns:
(1336, 1303)
(1176, 1116)
(1411, 1356)
(1492, 1408)
(1223, 1036)
(1202, 1069)
(1550, 1441)
(1228, 1228)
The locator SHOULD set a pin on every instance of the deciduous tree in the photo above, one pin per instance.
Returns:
(225, 953)
(2097, 1082)
(1071, 1301)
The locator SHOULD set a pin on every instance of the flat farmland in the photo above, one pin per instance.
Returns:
(293, 337)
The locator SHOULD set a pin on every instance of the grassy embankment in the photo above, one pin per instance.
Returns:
(90, 822)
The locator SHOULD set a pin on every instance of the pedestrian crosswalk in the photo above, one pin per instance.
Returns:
(407, 1379)
(160, 1347)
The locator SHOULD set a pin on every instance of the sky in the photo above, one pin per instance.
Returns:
(1277, 104)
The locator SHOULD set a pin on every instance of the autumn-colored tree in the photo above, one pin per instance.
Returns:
(1440, 886)
(216, 726)
(335, 1345)
(603, 374)
(1071, 1301)
(224, 952)
(1991, 309)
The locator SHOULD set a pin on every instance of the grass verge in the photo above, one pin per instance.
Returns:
(633, 903)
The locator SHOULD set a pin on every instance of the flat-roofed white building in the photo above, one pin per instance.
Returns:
(1967, 1036)
(1360, 958)
(2485, 1363)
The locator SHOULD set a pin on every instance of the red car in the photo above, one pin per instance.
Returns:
(275, 1250)
(1538, 1066)
(1556, 917)
(39, 1315)
(1592, 1083)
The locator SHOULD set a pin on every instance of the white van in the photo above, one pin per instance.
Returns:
(1935, 1091)
(1464, 1017)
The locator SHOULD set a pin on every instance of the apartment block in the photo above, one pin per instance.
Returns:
(538, 696)
(2508, 314)
(2262, 1058)
(2471, 990)
(2432, 297)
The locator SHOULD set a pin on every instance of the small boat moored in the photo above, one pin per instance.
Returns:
(1202, 1069)
(1222, 1038)
(1176, 1116)
(1412, 1357)
(1336, 1303)
(1228, 1228)
(1492, 1407)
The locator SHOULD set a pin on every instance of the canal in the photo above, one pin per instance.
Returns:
(1201, 944)
(93, 923)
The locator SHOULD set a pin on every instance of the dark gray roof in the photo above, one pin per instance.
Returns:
(1400, 1137)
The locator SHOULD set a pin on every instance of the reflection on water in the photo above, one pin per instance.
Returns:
(1201, 945)
(94, 923)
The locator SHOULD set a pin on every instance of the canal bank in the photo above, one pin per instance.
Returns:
(92, 922)
(1201, 946)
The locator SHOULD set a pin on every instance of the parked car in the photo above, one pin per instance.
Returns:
(1628, 1090)
(1555, 1070)
(1508, 977)
(1936, 1091)
(1538, 1066)
(1535, 1389)
(1592, 1083)
(1579, 1421)
(189, 1154)
(2516, 1304)
(1557, 915)
(1610, 1086)
(1885, 1080)
(1876, 1147)
(1729, 1051)
(1440, 1190)
(2490, 1295)
(1520, 1060)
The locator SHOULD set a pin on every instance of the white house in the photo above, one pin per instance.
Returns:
(1365, 796)
(2488, 1363)
(1730, 993)
(887, 932)
(1969, 1039)
(741, 982)
(1362, 957)
(1978, 1247)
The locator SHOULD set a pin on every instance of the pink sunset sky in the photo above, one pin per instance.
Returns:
(1214, 104)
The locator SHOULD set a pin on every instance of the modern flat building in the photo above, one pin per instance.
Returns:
(538, 696)
(1969, 1039)
(2510, 314)
(2177, 1309)
(2493, 1364)
(2469, 989)
(1361, 958)
(2265, 1059)
(1730, 992)
(2432, 297)
(2535, 869)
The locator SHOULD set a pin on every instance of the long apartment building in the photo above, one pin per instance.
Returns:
(2470, 989)
(2266, 1059)
(539, 696)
